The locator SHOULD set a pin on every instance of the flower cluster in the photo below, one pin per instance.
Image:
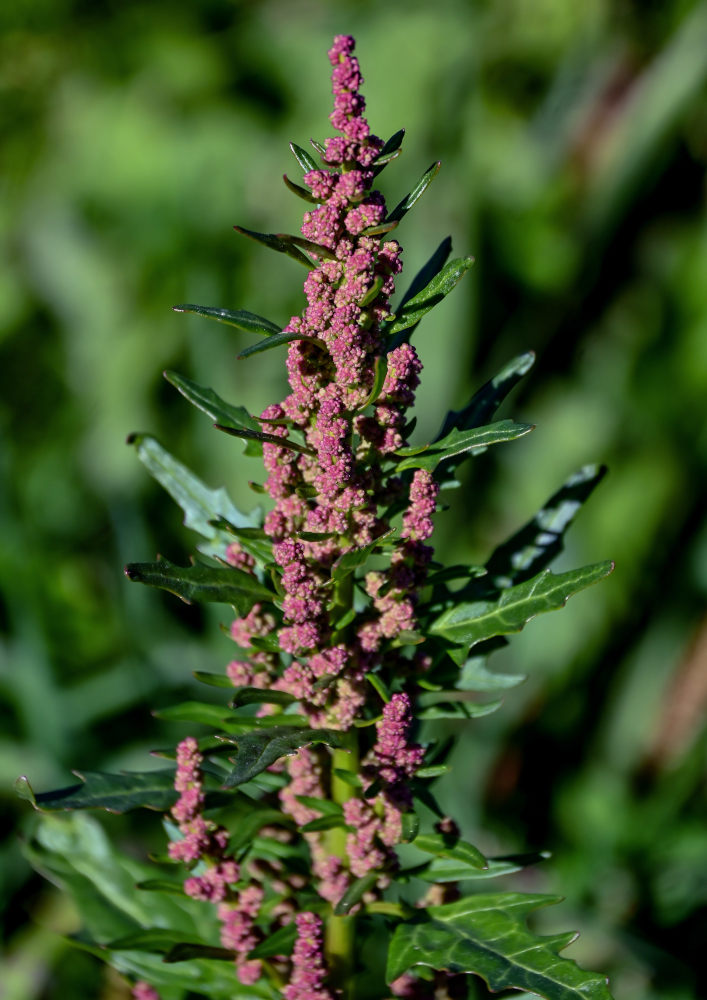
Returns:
(330, 459)
(205, 842)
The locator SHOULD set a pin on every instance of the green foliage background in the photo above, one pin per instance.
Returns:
(574, 144)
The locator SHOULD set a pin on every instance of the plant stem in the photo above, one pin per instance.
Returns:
(340, 931)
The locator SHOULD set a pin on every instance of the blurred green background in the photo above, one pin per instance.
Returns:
(574, 145)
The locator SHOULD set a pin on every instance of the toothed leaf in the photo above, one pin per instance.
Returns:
(210, 584)
(486, 934)
(472, 622)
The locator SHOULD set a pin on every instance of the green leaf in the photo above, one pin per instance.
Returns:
(303, 158)
(475, 676)
(183, 951)
(445, 846)
(433, 293)
(409, 200)
(301, 192)
(486, 935)
(211, 584)
(118, 793)
(258, 750)
(459, 442)
(489, 397)
(355, 558)
(451, 870)
(279, 242)
(213, 680)
(390, 151)
(539, 541)
(280, 942)
(161, 885)
(450, 708)
(239, 318)
(276, 341)
(201, 506)
(355, 892)
(381, 370)
(318, 146)
(469, 623)
(261, 696)
(429, 271)
(261, 436)
(324, 806)
(324, 823)
(75, 852)
(211, 404)
(154, 939)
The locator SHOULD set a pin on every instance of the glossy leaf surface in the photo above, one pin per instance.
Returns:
(537, 543)
(276, 341)
(489, 397)
(304, 159)
(458, 442)
(202, 506)
(279, 242)
(486, 934)
(211, 584)
(403, 207)
(210, 403)
(118, 793)
(433, 293)
(258, 750)
(240, 318)
(472, 622)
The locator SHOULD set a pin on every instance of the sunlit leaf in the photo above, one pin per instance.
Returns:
(211, 404)
(403, 207)
(117, 793)
(458, 442)
(239, 318)
(489, 397)
(279, 242)
(539, 541)
(469, 623)
(486, 934)
(276, 341)
(433, 293)
(211, 584)
(258, 750)
(202, 506)
(303, 158)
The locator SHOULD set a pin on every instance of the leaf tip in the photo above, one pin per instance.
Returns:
(23, 789)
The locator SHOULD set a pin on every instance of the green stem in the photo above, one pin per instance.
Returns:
(339, 935)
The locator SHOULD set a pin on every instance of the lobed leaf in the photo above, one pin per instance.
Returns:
(211, 404)
(471, 622)
(240, 318)
(489, 397)
(117, 793)
(537, 543)
(209, 584)
(486, 935)
(403, 207)
(433, 293)
(258, 750)
(428, 271)
(203, 507)
(459, 442)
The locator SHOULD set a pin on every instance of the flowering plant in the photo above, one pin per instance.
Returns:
(306, 847)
